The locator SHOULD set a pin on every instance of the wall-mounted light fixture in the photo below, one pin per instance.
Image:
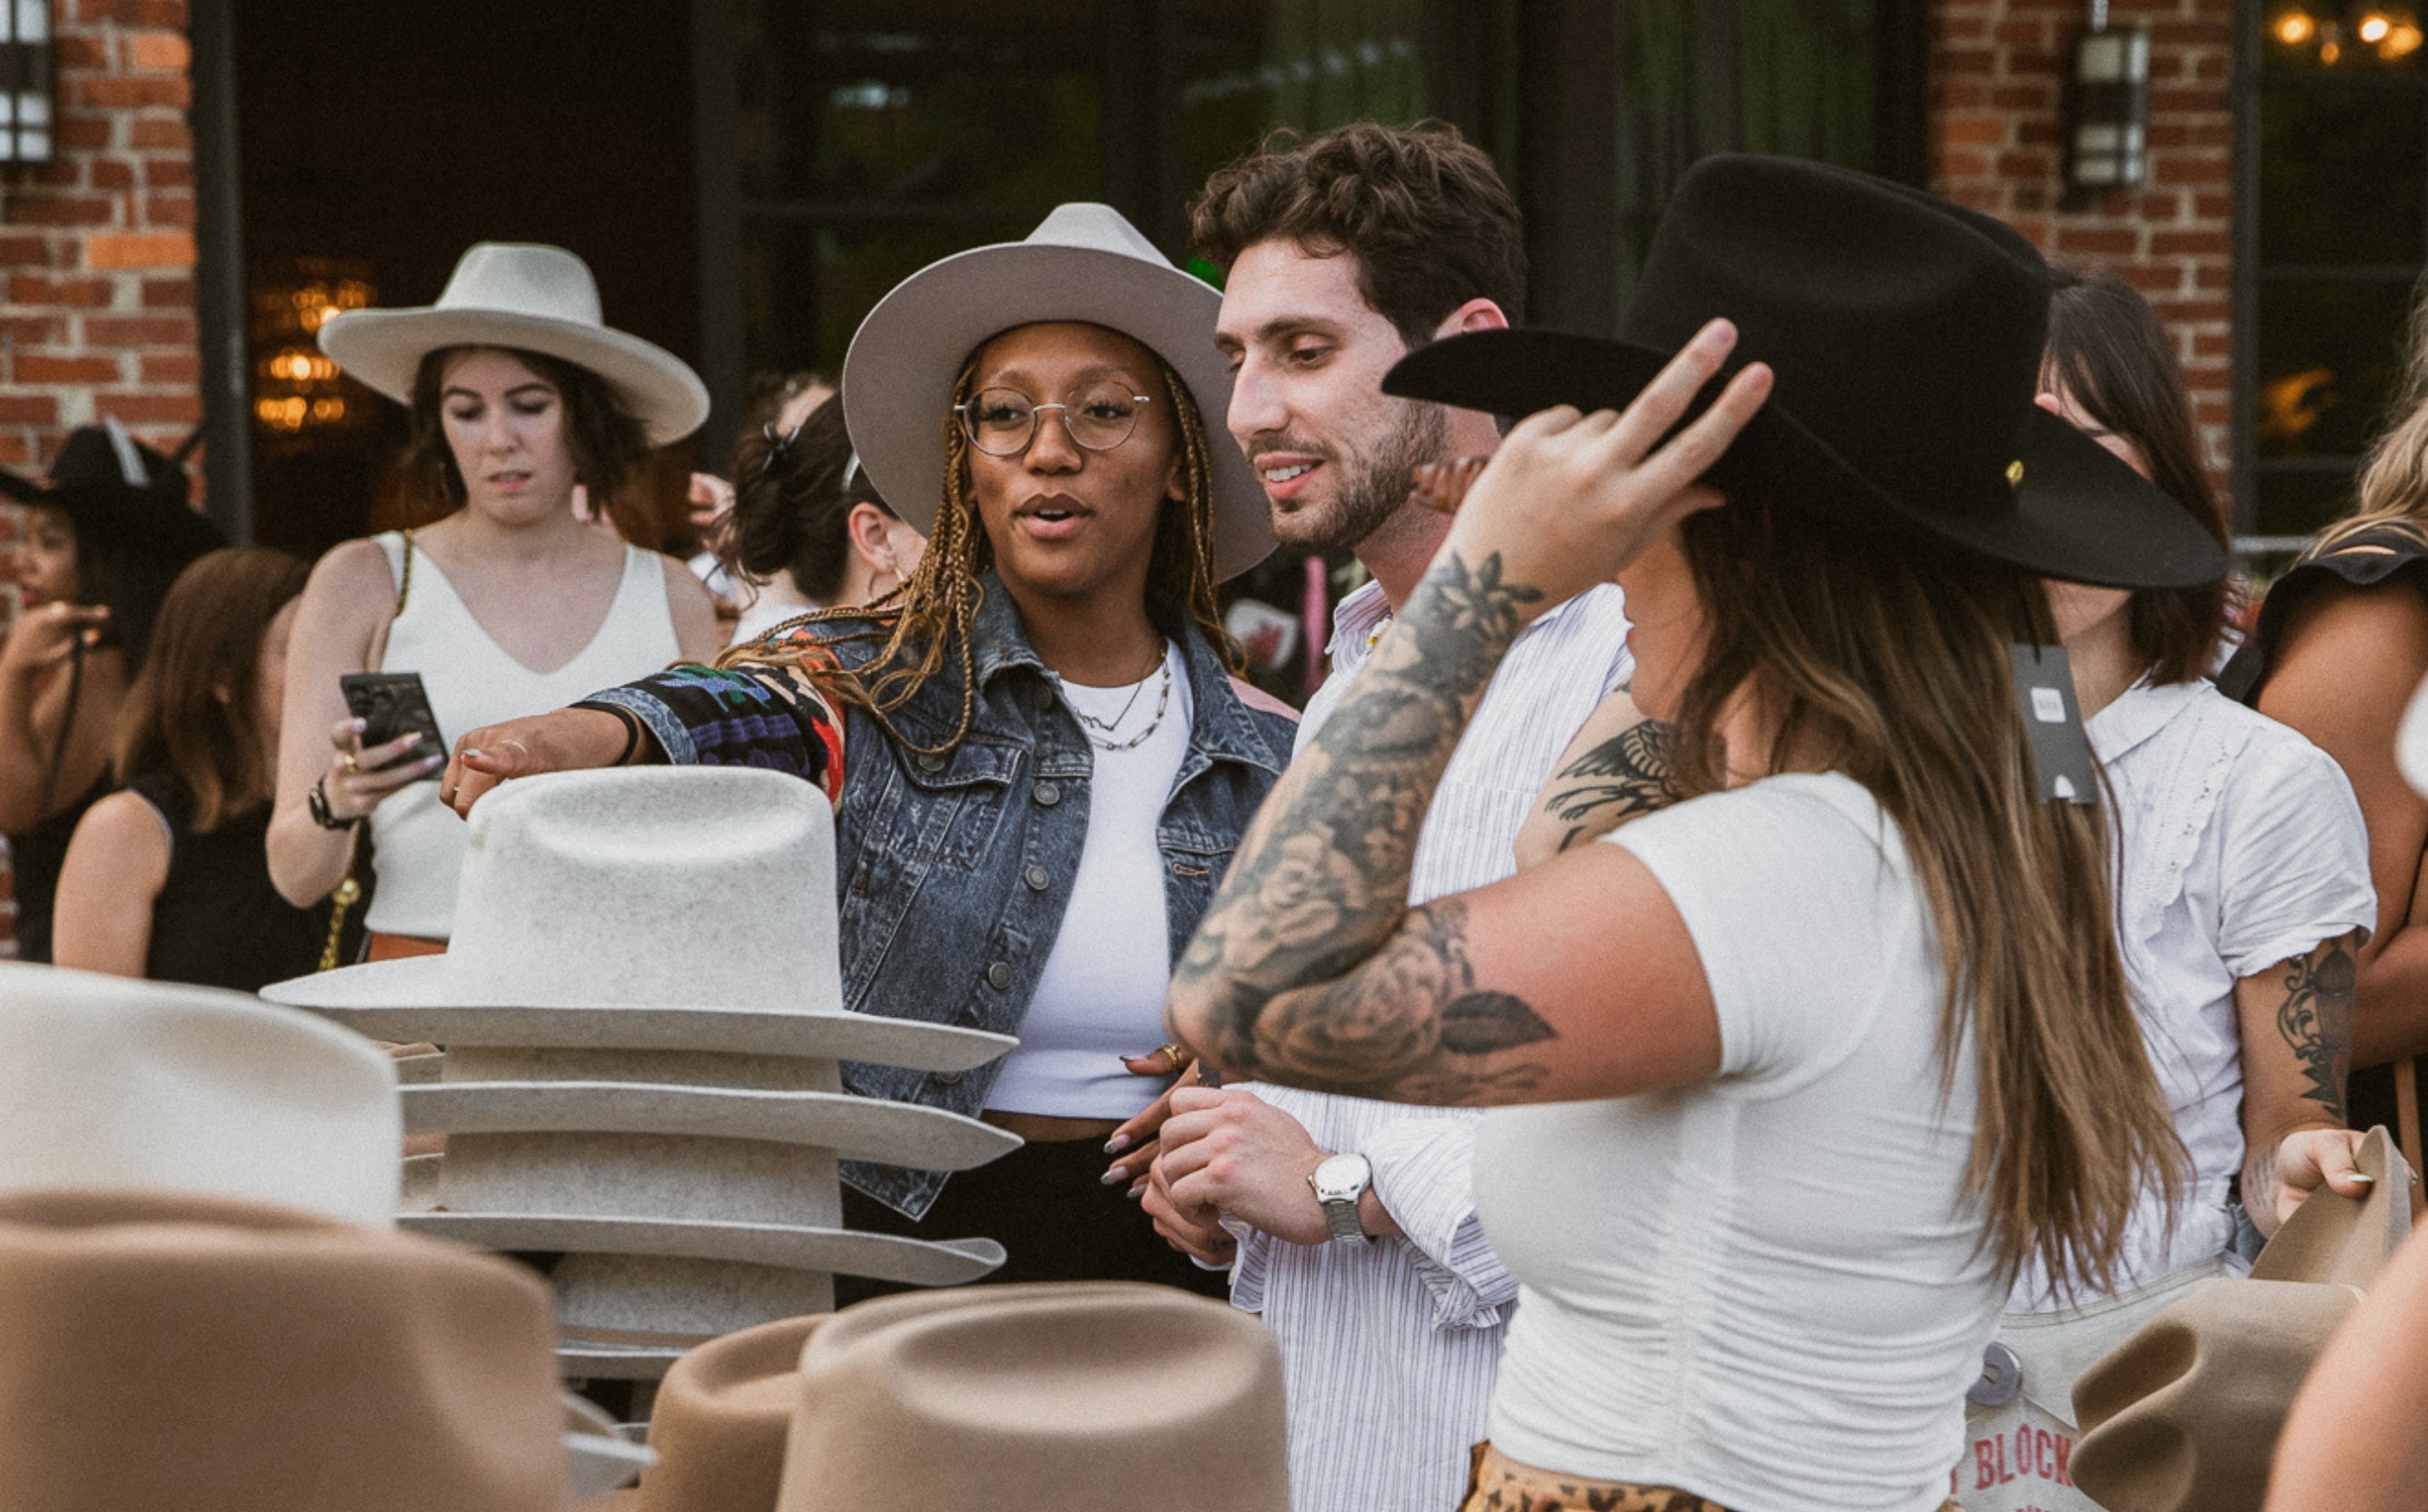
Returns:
(2351, 35)
(2107, 138)
(27, 88)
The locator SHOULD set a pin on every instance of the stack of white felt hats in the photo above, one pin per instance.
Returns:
(642, 1016)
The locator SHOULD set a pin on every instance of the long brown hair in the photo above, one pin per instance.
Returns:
(190, 714)
(928, 617)
(2112, 354)
(1891, 665)
(2394, 476)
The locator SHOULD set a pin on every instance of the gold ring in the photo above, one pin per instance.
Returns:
(347, 758)
(1178, 1056)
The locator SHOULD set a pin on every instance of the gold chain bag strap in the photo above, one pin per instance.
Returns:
(349, 890)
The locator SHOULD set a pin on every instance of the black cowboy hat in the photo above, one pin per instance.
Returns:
(121, 497)
(1905, 334)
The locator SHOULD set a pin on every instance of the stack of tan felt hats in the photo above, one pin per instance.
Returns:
(106, 1083)
(642, 1014)
(2184, 1416)
(1036, 1398)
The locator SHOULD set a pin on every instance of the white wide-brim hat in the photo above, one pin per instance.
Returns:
(1084, 263)
(533, 298)
(642, 908)
(111, 1083)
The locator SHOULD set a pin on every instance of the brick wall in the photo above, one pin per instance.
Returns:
(97, 253)
(1998, 72)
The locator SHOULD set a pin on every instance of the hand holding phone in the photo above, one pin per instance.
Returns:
(392, 705)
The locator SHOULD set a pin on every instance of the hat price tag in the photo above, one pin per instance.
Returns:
(2061, 759)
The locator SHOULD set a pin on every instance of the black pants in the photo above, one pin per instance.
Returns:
(1056, 1221)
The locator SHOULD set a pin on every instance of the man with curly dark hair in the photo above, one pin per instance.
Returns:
(1350, 1224)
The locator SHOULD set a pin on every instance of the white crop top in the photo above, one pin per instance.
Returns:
(1101, 994)
(473, 681)
(1766, 1289)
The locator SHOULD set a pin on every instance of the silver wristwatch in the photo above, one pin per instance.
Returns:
(1338, 1182)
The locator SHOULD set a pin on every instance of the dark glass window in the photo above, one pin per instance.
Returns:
(2335, 197)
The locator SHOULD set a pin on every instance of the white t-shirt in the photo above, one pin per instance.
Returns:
(1101, 994)
(1767, 1289)
(2240, 845)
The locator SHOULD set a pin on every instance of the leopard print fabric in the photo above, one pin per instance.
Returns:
(1499, 1484)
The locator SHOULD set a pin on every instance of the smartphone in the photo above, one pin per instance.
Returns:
(391, 705)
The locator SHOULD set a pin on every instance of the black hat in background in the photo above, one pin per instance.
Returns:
(134, 529)
(1906, 336)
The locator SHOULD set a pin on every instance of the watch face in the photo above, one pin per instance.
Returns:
(1344, 1174)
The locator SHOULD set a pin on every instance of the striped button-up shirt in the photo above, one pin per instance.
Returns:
(1390, 1350)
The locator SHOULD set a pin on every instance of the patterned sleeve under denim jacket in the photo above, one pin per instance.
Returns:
(954, 869)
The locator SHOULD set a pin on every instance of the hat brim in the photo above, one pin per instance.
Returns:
(2081, 514)
(383, 349)
(897, 379)
(597, 1456)
(409, 1000)
(855, 1128)
(785, 1246)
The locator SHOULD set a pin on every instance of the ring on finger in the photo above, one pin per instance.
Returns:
(1178, 1056)
(348, 760)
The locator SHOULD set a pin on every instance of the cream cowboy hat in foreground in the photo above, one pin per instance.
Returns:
(111, 1082)
(642, 1009)
(531, 298)
(1010, 1398)
(1083, 263)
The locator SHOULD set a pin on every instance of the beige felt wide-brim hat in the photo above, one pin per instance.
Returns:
(527, 296)
(171, 1350)
(720, 1421)
(1073, 1397)
(2184, 1416)
(111, 1082)
(1083, 263)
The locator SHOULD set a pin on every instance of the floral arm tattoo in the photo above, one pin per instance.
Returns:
(1310, 969)
(1625, 777)
(2316, 1020)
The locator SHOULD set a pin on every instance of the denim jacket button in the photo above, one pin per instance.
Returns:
(948, 1079)
(931, 761)
(1046, 795)
(1036, 877)
(999, 976)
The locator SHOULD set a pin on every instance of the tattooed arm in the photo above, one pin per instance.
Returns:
(1310, 969)
(1617, 768)
(2296, 1022)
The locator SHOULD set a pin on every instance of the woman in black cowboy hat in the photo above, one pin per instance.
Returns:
(109, 531)
(1834, 1044)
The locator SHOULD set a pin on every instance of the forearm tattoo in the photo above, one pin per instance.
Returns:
(1308, 969)
(2316, 1019)
(1625, 777)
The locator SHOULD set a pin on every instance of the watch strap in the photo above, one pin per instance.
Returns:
(1340, 1216)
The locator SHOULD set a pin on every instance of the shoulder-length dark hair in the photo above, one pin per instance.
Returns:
(190, 715)
(607, 442)
(2108, 349)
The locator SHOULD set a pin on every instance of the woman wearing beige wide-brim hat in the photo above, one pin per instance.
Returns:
(510, 604)
(1039, 759)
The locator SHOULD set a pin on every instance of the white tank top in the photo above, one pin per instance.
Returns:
(473, 681)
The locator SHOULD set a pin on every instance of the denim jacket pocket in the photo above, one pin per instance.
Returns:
(946, 808)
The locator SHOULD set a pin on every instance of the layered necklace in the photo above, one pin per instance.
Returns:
(1111, 728)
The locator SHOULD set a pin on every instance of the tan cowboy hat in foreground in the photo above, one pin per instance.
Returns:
(172, 1352)
(527, 297)
(1083, 263)
(111, 1082)
(993, 1399)
(643, 1012)
(2185, 1415)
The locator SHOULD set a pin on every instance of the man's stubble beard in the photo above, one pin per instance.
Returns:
(1374, 490)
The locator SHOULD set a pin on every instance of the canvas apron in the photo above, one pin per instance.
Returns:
(2023, 1439)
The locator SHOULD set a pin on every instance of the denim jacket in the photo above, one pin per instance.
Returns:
(954, 869)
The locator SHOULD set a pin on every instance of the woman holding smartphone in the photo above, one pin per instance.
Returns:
(510, 604)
